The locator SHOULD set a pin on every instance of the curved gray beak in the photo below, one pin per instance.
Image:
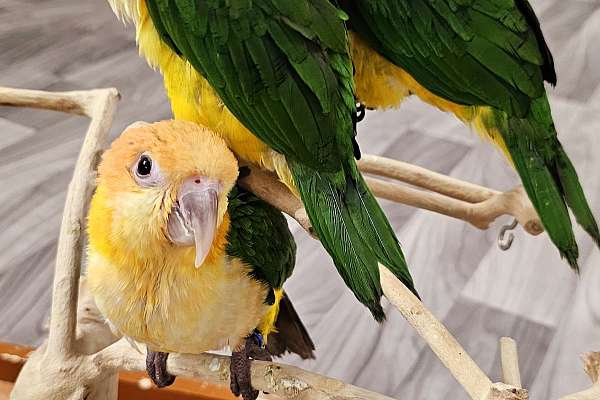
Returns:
(193, 219)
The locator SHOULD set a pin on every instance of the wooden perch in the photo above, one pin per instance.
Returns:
(591, 366)
(283, 380)
(71, 367)
(475, 204)
(510, 362)
(515, 202)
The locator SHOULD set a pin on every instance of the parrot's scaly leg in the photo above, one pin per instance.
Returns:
(253, 349)
(156, 367)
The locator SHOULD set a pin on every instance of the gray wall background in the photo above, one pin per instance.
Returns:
(479, 292)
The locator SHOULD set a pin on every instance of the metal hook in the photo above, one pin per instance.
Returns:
(360, 112)
(505, 242)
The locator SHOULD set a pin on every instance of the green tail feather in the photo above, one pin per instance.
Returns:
(548, 176)
(574, 195)
(353, 229)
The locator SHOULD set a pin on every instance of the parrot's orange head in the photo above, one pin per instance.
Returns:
(163, 185)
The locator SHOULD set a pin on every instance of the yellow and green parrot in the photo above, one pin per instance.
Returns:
(485, 61)
(274, 79)
(182, 260)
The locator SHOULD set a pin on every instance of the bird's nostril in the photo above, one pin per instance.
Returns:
(197, 181)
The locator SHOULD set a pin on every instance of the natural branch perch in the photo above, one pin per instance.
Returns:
(510, 362)
(481, 214)
(266, 185)
(515, 202)
(284, 380)
(100, 106)
(76, 102)
(592, 368)
(70, 374)
(475, 204)
(424, 178)
(452, 355)
(443, 344)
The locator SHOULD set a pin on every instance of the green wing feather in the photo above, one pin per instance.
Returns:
(260, 237)
(271, 63)
(282, 68)
(487, 53)
(470, 52)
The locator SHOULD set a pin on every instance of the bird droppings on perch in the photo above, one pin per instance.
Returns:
(83, 364)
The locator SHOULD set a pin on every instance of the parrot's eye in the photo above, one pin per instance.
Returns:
(144, 166)
(146, 172)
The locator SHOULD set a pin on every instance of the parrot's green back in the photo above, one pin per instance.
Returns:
(487, 54)
(282, 68)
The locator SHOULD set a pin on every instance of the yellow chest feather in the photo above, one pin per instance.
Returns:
(172, 306)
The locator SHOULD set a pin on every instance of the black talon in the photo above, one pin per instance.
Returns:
(241, 360)
(270, 299)
(244, 171)
(156, 367)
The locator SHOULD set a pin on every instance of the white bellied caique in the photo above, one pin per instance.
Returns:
(485, 61)
(274, 79)
(182, 260)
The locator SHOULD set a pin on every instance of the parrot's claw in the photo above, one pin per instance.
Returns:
(243, 171)
(240, 366)
(156, 367)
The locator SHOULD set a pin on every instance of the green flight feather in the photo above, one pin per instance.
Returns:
(547, 175)
(488, 54)
(260, 237)
(289, 80)
(353, 229)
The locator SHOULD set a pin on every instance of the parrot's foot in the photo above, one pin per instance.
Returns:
(156, 367)
(253, 349)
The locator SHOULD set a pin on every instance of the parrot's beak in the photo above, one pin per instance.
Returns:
(193, 218)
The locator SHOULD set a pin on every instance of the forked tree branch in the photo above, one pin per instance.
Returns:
(69, 373)
(475, 204)
(283, 380)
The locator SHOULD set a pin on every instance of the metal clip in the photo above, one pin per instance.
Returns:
(504, 242)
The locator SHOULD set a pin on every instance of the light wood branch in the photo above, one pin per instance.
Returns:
(266, 185)
(475, 204)
(443, 344)
(84, 102)
(71, 374)
(422, 177)
(510, 362)
(283, 380)
(591, 366)
(59, 356)
(515, 202)
(72, 368)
